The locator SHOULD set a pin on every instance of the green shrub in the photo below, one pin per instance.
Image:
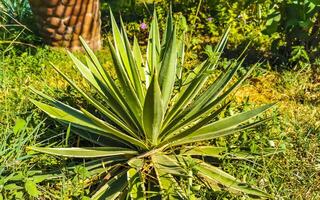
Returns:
(148, 136)
(295, 19)
(298, 24)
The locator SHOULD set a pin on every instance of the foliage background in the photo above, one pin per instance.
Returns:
(290, 76)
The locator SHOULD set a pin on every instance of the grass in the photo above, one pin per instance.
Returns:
(295, 175)
(294, 127)
(19, 73)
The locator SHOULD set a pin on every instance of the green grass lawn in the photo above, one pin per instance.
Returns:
(294, 174)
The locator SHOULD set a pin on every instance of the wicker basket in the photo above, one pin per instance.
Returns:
(62, 22)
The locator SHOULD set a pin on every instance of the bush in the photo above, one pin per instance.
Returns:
(152, 133)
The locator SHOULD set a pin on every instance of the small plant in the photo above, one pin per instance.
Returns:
(299, 56)
(15, 181)
(149, 137)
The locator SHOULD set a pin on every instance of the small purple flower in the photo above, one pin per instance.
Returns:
(143, 26)
(210, 19)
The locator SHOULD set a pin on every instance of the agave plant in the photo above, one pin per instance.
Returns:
(149, 135)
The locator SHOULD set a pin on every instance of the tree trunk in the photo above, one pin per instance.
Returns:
(62, 22)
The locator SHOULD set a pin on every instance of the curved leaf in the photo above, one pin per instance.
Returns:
(153, 48)
(168, 69)
(214, 174)
(87, 120)
(85, 152)
(89, 73)
(232, 121)
(221, 127)
(113, 188)
(153, 111)
(112, 130)
(204, 151)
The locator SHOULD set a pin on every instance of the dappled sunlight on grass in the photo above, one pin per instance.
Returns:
(296, 174)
